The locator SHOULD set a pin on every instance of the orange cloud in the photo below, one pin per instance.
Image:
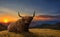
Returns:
(41, 18)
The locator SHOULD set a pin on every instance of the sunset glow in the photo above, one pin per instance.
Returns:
(47, 9)
(6, 19)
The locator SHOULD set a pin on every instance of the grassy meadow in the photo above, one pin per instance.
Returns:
(32, 33)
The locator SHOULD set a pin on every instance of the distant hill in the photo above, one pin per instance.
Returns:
(49, 26)
(2, 27)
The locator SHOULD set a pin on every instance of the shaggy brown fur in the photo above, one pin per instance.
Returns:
(16, 26)
(20, 25)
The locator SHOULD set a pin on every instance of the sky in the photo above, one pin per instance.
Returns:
(27, 7)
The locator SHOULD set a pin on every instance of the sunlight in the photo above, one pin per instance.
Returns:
(6, 21)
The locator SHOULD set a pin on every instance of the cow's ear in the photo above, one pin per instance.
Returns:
(34, 14)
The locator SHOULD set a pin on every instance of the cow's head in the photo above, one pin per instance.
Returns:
(27, 19)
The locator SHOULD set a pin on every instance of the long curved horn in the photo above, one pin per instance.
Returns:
(19, 15)
(34, 14)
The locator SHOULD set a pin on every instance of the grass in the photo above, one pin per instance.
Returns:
(32, 33)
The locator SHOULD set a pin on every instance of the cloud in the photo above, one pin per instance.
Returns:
(6, 11)
(55, 13)
(11, 12)
(2, 12)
